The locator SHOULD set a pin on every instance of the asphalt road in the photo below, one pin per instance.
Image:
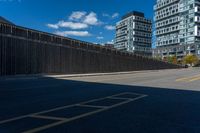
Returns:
(166, 101)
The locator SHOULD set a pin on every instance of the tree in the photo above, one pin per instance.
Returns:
(191, 60)
(157, 57)
(169, 59)
(172, 59)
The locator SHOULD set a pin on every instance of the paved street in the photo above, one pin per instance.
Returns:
(165, 101)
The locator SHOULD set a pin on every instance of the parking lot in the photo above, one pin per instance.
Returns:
(166, 101)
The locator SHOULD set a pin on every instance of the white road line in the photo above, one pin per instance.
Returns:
(25, 116)
(50, 110)
(81, 116)
(44, 127)
(98, 99)
(59, 108)
(124, 98)
(48, 117)
(132, 93)
(120, 98)
(13, 119)
(92, 106)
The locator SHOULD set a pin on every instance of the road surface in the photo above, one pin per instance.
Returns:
(165, 101)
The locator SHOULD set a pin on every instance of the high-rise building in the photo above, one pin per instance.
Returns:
(177, 24)
(134, 34)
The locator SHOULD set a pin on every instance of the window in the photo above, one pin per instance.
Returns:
(191, 20)
(182, 40)
(191, 6)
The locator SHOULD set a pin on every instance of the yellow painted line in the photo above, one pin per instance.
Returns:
(194, 79)
(187, 78)
(181, 79)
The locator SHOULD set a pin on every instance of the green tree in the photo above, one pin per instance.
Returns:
(158, 57)
(191, 60)
(172, 59)
(169, 59)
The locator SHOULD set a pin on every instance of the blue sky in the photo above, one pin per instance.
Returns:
(88, 20)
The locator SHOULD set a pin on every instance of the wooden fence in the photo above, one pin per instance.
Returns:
(27, 51)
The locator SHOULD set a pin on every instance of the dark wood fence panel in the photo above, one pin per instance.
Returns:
(25, 51)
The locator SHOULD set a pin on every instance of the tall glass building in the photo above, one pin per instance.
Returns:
(134, 34)
(177, 24)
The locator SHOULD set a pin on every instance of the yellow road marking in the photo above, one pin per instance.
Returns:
(194, 79)
(190, 78)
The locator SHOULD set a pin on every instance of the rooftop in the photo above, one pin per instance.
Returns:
(133, 13)
(3, 20)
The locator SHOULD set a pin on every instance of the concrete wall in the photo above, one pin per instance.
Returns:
(26, 51)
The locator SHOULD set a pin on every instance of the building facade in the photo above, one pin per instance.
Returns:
(108, 45)
(177, 24)
(134, 34)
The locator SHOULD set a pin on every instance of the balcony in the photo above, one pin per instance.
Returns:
(164, 4)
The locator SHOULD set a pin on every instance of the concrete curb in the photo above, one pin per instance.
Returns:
(96, 74)
(38, 76)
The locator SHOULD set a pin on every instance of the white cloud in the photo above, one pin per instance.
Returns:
(105, 15)
(77, 15)
(91, 19)
(109, 27)
(53, 26)
(110, 42)
(77, 20)
(115, 15)
(72, 25)
(73, 33)
(100, 37)
(65, 24)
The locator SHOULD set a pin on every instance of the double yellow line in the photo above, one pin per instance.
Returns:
(189, 79)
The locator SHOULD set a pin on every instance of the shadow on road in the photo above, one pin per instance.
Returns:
(162, 111)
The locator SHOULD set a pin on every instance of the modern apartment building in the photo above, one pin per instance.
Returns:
(177, 24)
(134, 34)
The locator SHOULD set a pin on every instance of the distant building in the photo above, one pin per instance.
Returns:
(177, 24)
(109, 45)
(134, 34)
